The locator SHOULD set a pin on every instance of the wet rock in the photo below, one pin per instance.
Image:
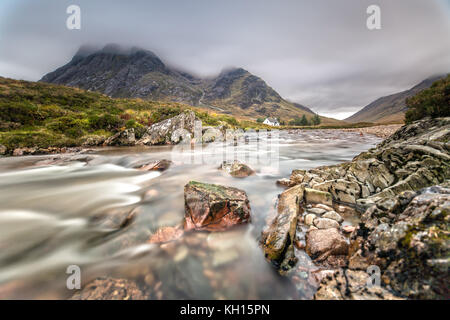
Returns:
(309, 219)
(345, 191)
(284, 182)
(93, 140)
(23, 151)
(333, 215)
(111, 289)
(405, 239)
(349, 284)
(157, 165)
(117, 218)
(277, 239)
(322, 243)
(348, 229)
(3, 150)
(170, 131)
(223, 257)
(122, 138)
(316, 196)
(237, 169)
(214, 207)
(317, 211)
(166, 234)
(325, 223)
(324, 207)
(297, 177)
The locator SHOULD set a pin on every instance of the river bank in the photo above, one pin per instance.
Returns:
(402, 234)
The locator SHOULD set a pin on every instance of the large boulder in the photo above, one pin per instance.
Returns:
(213, 207)
(122, 138)
(278, 239)
(237, 169)
(170, 131)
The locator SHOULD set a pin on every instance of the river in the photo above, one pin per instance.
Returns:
(54, 213)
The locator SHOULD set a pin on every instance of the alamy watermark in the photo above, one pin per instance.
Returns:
(73, 22)
(216, 145)
(374, 20)
(73, 281)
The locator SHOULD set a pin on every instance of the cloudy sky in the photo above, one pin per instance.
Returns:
(318, 53)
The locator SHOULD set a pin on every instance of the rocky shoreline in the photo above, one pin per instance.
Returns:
(400, 191)
(381, 131)
(171, 131)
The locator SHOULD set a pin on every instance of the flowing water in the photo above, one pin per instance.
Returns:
(62, 210)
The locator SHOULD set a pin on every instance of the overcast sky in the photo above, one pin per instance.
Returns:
(318, 53)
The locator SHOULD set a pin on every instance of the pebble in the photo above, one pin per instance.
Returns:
(149, 279)
(152, 193)
(181, 254)
(224, 257)
(323, 206)
(303, 275)
(333, 215)
(325, 223)
(309, 219)
(348, 229)
(317, 211)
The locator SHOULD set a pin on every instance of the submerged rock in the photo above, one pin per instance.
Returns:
(237, 169)
(157, 165)
(111, 289)
(166, 234)
(170, 131)
(214, 207)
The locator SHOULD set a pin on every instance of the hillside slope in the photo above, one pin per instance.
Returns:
(139, 73)
(40, 115)
(392, 108)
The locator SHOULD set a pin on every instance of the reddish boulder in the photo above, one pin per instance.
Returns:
(213, 207)
(166, 234)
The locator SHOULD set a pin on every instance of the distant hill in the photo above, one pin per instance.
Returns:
(139, 73)
(392, 108)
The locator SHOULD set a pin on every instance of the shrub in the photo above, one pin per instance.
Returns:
(70, 126)
(22, 112)
(105, 122)
(162, 114)
(432, 102)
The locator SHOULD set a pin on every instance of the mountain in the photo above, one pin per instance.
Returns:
(139, 73)
(391, 108)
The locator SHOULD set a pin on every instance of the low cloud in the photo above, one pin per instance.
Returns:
(316, 53)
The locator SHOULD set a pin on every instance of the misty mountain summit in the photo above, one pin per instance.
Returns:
(138, 73)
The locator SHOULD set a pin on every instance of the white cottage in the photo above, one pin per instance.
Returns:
(272, 122)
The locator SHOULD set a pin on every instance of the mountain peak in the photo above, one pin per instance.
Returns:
(133, 72)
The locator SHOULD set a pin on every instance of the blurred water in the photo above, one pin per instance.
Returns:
(54, 212)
